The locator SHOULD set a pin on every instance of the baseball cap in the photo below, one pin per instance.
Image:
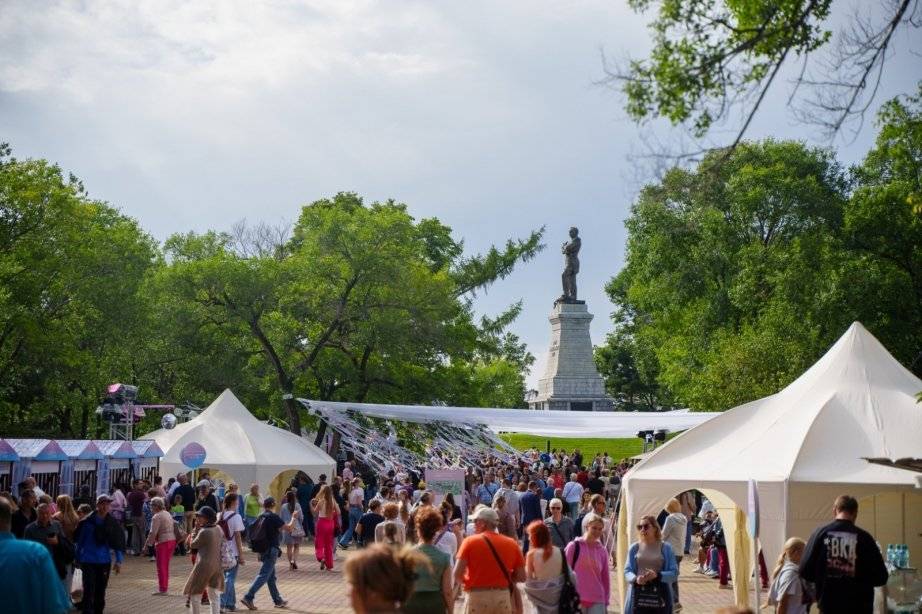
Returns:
(486, 513)
(209, 514)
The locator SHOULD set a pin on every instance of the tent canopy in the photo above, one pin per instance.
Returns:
(534, 422)
(803, 446)
(240, 445)
(80, 449)
(38, 449)
(7, 452)
(147, 448)
(116, 448)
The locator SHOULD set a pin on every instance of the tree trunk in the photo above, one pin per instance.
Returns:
(294, 415)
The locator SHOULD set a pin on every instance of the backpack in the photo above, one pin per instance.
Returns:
(259, 541)
(228, 559)
(569, 597)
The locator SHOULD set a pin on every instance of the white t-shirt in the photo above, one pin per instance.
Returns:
(788, 583)
(447, 543)
(356, 496)
(234, 525)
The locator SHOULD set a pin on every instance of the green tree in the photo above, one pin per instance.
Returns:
(70, 271)
(715, 60)
(361, 303)
(727, 283)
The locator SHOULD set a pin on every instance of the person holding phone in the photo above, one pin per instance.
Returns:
(650, 571)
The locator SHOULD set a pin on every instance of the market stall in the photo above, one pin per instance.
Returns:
(81, 466)
(146, 464)
(40, 458)
(115, 467)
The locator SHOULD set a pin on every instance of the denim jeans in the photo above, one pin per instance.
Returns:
(266, 575)
(229, 596)
(355, 514)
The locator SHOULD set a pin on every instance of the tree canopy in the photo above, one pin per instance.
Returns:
(355, 302)
(741, 272)
(713, 61)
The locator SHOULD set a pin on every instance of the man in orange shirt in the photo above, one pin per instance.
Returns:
(489, 565)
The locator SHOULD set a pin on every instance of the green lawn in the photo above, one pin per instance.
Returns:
(616, 448)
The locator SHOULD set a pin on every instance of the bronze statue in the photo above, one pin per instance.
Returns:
(570, 251)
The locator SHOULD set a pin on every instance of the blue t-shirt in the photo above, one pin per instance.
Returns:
(28, 580)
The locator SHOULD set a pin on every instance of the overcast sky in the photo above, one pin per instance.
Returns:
(193, 115)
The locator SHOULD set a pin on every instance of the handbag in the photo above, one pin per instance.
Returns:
(569, 597)
(178, 532)
(514, 596)
(649, 598)
(298, 529)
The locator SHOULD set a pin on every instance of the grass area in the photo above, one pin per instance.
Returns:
(589, 446)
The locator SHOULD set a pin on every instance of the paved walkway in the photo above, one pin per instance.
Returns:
(309, 590)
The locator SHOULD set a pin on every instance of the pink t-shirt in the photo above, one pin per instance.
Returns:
(591, 570)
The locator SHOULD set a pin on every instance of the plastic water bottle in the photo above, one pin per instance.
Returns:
(889, 558)
(906, 555)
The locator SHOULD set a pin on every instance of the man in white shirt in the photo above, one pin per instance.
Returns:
(572, 493)
(356, 509)
(231, 525)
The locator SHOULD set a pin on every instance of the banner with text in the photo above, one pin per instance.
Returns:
(442, 481)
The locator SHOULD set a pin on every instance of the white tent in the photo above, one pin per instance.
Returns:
(803, 446)
(240, 446)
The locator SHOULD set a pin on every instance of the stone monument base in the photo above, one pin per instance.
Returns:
(571, 381)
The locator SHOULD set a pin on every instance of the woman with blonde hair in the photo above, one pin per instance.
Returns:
(674, 529)
(589, 560)
(326, 511)
(381, 579)
(66, 515)
(68, 518)
(650, 571)
(786, 592)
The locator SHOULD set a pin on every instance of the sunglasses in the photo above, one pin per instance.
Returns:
(556, 508)
(643, 527)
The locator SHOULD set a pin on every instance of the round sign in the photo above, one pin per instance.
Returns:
(193, 455)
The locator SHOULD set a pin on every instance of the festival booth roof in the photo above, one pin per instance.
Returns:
(38, 449)
(533, 422)
(115, 448)
(147, 448)
(80, 449)
(802, 446)
(7, 452)
(240, 445)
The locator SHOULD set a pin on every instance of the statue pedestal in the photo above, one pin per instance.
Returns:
(571, 381)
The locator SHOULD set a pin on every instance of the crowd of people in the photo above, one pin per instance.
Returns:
(542, 522)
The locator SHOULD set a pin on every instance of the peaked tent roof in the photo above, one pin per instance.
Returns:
(81, 449)
(238, 443)
(38, 449)
(856, 402)
(802, 446)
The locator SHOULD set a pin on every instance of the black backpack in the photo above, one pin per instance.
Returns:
(259, 541)
(569, 597)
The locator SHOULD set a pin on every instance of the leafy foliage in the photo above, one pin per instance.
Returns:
(742, 272)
